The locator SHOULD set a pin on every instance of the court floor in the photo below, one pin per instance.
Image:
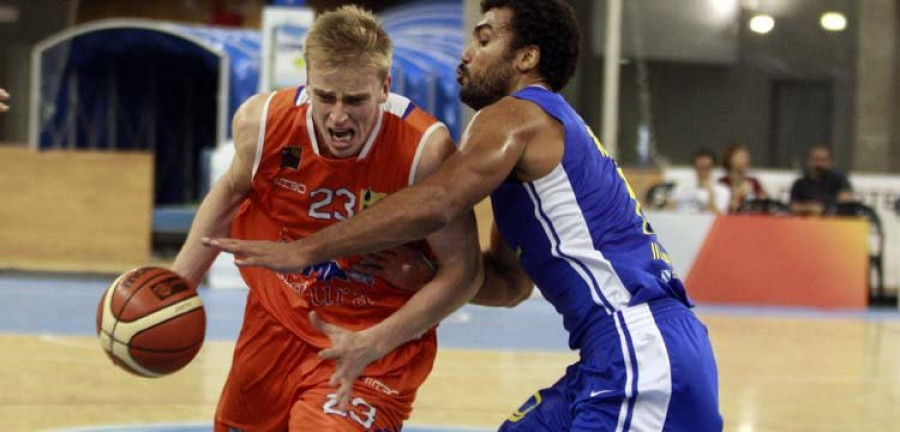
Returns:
(780, 369)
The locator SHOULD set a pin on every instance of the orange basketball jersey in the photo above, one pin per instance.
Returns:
(297, 191)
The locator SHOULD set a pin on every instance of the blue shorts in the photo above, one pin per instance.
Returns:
(648, 367)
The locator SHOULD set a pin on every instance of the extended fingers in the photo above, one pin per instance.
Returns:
(335, 378)
(331, 354)
(343, 394)
(229, 245)
(316, 321)
(254, 261)
(329, 330)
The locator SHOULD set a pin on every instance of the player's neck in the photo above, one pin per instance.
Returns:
(530, 81)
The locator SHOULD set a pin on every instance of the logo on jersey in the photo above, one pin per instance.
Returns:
(370, 198)
(380, 386)
(667, 276)
(328, 283)
(290, 157)
(326, 272)
(332, 271)
(529, 405)
(290, 185)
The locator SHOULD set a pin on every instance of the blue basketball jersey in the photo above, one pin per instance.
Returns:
(580, 232)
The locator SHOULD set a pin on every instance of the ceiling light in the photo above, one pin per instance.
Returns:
(833, 21)
(724, 7)
(762, 24)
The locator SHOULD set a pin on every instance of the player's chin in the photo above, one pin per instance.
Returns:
(343, 149)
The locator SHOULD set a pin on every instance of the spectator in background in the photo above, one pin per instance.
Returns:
(3, 96)
(703, 194)
(821, 187)
(742, 186)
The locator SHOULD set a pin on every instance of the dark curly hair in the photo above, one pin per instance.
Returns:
(550, 25)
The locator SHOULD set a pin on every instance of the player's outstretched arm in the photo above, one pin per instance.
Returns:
(492, 146)
(505, 282)
(213, 218)
(457, 278)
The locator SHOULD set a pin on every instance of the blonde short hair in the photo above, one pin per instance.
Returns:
(349, 37)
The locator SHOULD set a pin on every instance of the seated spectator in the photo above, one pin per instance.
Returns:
(822, 186)
(743, 187)
(702, 194)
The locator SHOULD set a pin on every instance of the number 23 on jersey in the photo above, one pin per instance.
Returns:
(340, 204)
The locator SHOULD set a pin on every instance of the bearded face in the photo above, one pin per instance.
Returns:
(480, 88)
(486, 72)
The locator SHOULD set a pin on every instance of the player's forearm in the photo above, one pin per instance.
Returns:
(501, 287)
(435, 301)
(213, 219)
(381, 227)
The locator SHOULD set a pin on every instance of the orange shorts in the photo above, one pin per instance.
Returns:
(278, 383)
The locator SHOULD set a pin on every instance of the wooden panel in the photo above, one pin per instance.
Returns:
(642, 179)
(75, 211)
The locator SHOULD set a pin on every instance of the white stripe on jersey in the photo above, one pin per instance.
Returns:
(629, 374)
(654, 386)
(557, 199)
(421, 147)
(257, 158)
(311, 131)
(396, 104)
(374, 134)
(302, 97)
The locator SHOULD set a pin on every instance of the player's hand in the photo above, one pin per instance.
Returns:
(352, 351)
(281, 257)
(404, 267)
(3, 96)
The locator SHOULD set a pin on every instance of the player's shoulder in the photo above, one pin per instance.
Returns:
(512, 115)
(256, 112)
(249, 111)
(249, 116)
(408, 113)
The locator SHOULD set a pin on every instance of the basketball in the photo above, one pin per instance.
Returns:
(151, 322)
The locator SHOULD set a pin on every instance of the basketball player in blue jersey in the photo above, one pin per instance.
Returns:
(565, 220)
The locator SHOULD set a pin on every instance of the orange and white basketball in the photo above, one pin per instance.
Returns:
(151, 322)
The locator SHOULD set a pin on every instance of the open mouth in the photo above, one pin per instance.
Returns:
(341, 135)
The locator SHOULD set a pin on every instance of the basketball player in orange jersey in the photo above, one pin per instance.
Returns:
(307, 158)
